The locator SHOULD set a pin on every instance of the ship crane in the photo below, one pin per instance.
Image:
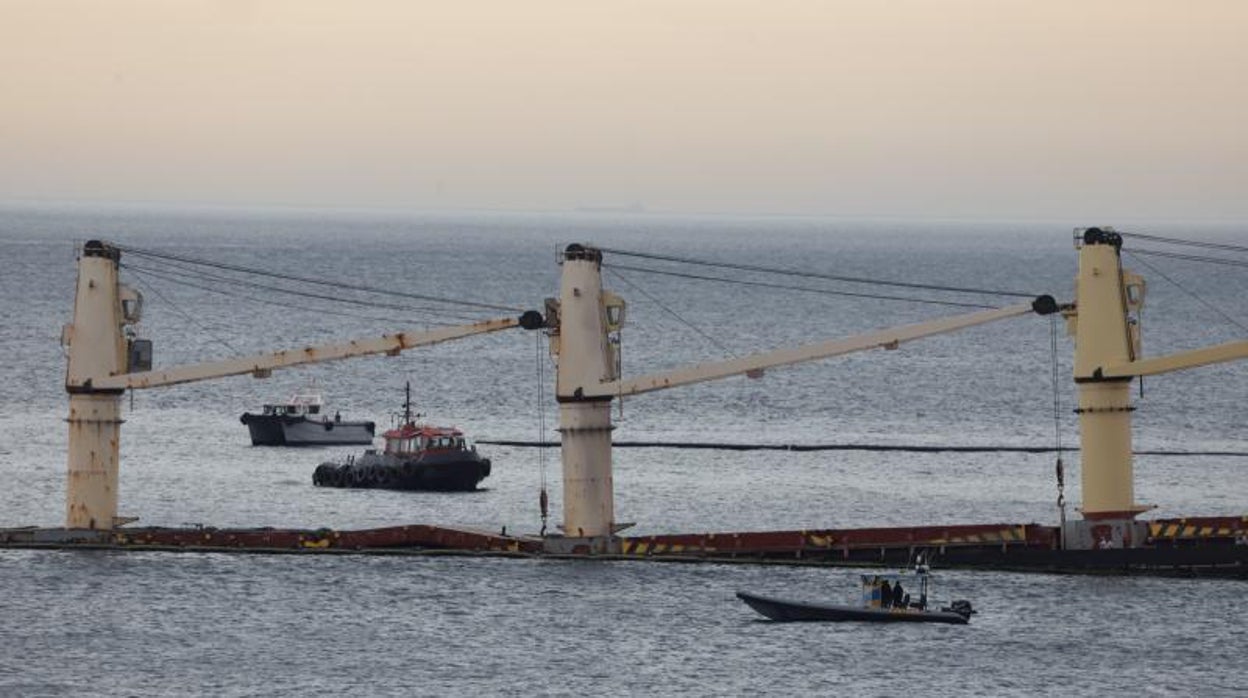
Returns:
(1103, 319)
(105, 359)
(583, 322)
(1104, 322)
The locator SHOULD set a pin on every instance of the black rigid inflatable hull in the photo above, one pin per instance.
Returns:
(790, 611)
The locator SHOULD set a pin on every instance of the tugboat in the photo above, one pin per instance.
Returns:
(303, 421)
(416, 457)
(884, 600)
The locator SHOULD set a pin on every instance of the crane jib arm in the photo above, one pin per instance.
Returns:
(1221, 353)
(261, 364)
(889, 339)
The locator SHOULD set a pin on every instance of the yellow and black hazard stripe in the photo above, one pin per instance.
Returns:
(1180, 531)
(644, 548)
(1009, 534)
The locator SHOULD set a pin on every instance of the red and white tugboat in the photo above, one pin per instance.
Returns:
(415, 457)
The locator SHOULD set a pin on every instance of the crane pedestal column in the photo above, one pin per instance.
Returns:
(1108, 301)
(96, 346)
(581, 343)
(1107, 474)
(589, 509)
(94, 440)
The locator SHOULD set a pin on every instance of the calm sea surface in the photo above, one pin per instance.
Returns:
(93, 623)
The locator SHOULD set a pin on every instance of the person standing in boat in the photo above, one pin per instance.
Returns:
(886, 594)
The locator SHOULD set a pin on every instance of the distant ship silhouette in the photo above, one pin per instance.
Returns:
(634, 207)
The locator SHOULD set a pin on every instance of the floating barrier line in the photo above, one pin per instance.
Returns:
(916, 448)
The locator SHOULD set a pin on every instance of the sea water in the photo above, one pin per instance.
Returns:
(75, 623)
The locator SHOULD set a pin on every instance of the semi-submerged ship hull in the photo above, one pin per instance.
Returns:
(1199, 546)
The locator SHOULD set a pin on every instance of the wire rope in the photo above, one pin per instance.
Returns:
(719, 345)
(816, 275)
(270, 301)
(170, 276)
(200, 273)
(1191, 257)
(1059, 467)
(1193, 294)
(187, 316)
(1192, 243)
(310, 280)
(807, 289)
(543, 497)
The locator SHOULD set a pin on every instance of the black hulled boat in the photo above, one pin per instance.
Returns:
(415, 457)
(303, 420)
(883, 601)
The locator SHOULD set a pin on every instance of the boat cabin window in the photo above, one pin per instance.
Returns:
(268, 409)
(313, 409)
(442, 442)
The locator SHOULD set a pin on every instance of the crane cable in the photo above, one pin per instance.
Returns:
(1192, 257)
(708, 337)
(175, 269)
(310, 280)
(816, 275)
(788, 287)
(1184, 289)
(146, 283)
(1192, 243)
(212, 289)
(543, 498)
(1057, 430)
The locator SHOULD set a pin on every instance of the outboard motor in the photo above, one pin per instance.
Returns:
(961, 607)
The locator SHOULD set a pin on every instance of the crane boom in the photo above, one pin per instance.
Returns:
(1228, 351)
(888, 338)
(584, 318)
(262, 363)
(101, 352)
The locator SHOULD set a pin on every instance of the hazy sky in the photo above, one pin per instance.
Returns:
(978, 108)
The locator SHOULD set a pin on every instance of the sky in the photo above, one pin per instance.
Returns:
(952, 108)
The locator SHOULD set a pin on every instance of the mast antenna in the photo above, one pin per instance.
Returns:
(407, 403)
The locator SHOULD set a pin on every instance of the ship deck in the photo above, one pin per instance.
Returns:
(1213, 546)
